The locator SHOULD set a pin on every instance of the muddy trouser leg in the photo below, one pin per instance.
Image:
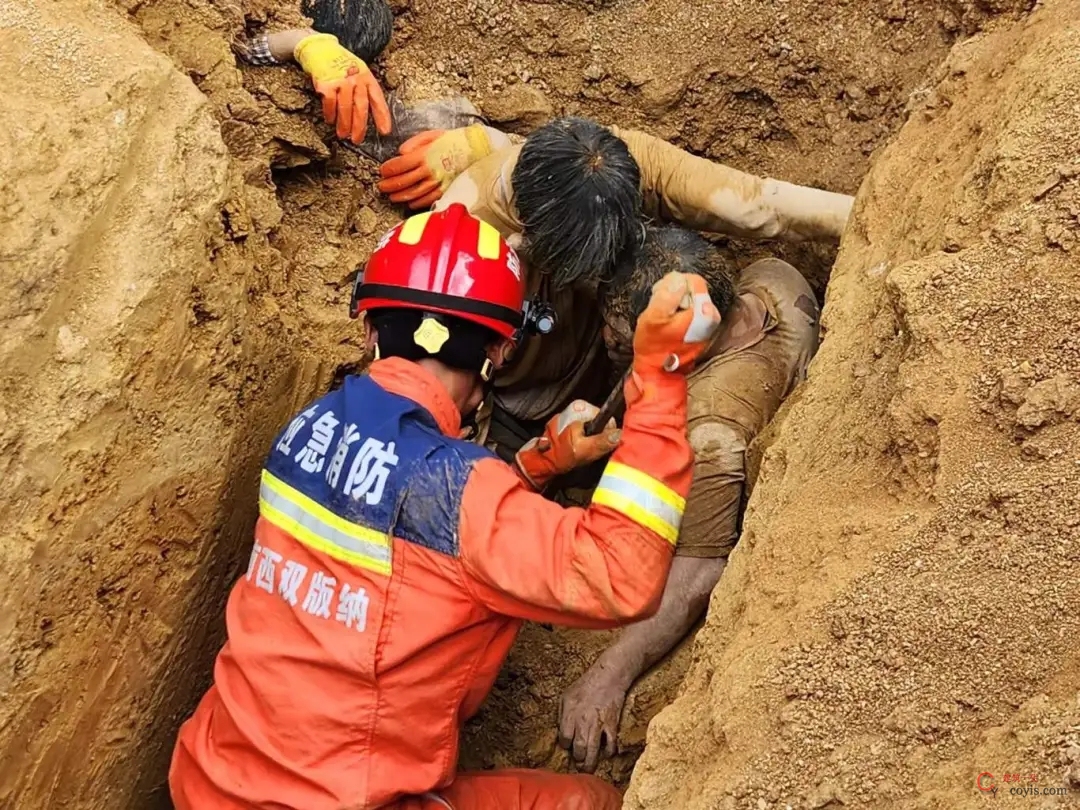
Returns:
(525, 790)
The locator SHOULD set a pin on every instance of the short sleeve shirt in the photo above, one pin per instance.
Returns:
(733, 395)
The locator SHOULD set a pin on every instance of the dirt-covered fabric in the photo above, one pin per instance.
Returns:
(679, 187)
(733, 395)
(676, 186)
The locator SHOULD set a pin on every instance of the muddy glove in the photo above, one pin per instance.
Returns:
(563, 446)
(346, 85)
(675, 327)
(427, 164)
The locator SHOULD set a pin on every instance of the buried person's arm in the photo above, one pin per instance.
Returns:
(703, 195)
(591, 707)
(340, 76)
(676, 186)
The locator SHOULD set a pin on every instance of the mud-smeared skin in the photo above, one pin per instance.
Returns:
(173, 302)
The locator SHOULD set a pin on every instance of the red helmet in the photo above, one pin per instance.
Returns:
(449, 262)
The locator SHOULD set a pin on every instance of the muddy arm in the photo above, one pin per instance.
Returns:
(589, 716)
(270, 49)
(686, 596)
(709, 532)
(590, 711)
(707, 196)
(283, 43)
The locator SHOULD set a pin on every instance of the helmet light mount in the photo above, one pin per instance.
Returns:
(537, 318)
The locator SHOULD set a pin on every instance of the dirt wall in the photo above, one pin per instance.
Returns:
(146, 363)
(114, 408)
(902, 610)
(176, 236)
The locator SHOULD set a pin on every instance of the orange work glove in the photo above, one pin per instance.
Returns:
(346, 85)
(427, 164)
(563, 446)
(676, 326)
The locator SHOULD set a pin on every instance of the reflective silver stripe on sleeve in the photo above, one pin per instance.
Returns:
(642, 499)
(316, 526)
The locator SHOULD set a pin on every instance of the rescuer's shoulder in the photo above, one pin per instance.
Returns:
(430, 509)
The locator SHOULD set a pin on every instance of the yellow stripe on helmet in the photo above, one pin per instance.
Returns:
(413, 229)
(489, 242)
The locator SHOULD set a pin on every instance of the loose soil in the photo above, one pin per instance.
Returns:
(177, 237)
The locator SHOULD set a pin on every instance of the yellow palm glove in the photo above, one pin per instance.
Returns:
(346, 85)
(428, 163)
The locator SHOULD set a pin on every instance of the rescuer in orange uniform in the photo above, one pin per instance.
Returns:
(394, 562)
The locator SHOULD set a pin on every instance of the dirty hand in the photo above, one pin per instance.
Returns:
(563, 446)
(676, 326)
(346, 86)
(427, 164)
(589, 716)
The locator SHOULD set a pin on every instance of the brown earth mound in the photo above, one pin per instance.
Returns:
(176, 237)
(903, 609)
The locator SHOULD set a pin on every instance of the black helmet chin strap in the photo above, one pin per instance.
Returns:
(430, 300)
(468, 420)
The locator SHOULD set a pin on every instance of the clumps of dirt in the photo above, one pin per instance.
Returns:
(885, 648)
(517, 726)
(182, 273)
(774, 89)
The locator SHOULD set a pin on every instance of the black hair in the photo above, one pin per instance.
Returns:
(362, 26)
(666, 249)
(577, 190)
(465, 349)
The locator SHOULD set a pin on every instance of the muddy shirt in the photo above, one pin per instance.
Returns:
(675, 186)
(546, 372)
(733, 395)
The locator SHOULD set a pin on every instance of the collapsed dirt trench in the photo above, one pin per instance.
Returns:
(113, 639)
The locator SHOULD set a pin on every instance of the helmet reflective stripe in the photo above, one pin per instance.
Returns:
(413, 229)
(489, 242)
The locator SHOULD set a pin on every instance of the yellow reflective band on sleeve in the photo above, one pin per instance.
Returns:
(641, 498)
(487, 245)
(320, 529)
(413, 229)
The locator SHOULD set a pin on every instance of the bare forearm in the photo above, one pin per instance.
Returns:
(283, 43)
(686, 596)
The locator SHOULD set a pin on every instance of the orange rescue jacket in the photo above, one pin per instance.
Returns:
(393, 565)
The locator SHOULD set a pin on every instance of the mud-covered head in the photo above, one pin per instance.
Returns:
(577, 190)
(362, 26)
(665, 249)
